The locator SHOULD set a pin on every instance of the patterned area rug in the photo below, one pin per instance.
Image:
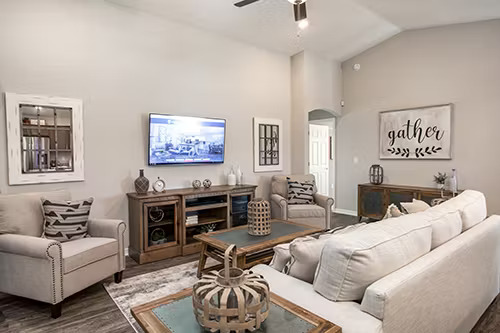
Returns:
(145, 288)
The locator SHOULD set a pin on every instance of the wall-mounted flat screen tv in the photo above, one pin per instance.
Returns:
(185, 140)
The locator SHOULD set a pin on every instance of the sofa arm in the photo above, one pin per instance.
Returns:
(279, 207)
(110, 229)
(326, 203)
(31, 267)
(30, 246)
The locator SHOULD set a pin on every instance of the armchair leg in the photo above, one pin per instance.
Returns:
(118, 277)
(56, 310)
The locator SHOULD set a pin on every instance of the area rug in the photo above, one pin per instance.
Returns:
(145, 288)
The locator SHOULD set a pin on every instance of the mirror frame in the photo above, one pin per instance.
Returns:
(14, 138)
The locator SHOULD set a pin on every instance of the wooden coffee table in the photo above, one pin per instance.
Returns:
(250, 250)
(175, 314)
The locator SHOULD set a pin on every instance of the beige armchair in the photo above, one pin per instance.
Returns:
(47, 270)
(317, 215)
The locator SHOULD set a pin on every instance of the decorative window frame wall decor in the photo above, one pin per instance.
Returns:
(268, 144)
(422, 133)
(21, 149)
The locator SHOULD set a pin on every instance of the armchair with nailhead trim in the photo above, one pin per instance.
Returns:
(47, 270)
(318, 214)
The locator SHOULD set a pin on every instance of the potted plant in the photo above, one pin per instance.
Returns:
(440, 180)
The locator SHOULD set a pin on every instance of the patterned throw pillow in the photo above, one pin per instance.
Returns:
(66, 220)
(300, 193)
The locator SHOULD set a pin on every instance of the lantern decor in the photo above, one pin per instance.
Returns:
(231, 299)
(376, 174)
(259, 217)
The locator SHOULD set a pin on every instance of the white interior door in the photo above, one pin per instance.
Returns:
(318, 156)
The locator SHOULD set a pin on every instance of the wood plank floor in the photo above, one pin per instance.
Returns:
(92, 310)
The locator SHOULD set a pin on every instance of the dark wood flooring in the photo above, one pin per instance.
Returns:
(92, 310)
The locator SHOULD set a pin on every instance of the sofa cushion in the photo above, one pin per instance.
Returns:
(281, 256)
(301, 211)
(350, 262)
(66, 220)
(471, 205)
(300, 193)
(305, 253)
(85, 251)
(279, 183)
(415, 206)
(22, 213)
(445, 227)
(344, 314)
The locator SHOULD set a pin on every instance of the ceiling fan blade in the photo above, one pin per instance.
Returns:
(244, 3)
(299, 10)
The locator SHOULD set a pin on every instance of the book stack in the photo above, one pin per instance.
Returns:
(192, 219)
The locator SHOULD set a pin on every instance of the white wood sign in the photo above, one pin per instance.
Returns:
(419, 133)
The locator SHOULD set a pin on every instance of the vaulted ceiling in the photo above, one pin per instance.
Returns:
(339, 29)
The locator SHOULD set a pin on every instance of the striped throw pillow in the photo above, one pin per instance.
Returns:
(66, 220)
(300, 193)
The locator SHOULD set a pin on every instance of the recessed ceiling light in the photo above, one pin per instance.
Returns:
(303, 24)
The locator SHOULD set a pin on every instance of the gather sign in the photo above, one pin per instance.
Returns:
(419, 133)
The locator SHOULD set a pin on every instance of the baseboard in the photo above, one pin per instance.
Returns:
(345, 212)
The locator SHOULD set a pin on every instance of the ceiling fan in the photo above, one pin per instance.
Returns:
(299, 10)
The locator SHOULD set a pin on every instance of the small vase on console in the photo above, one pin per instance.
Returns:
(141, 183)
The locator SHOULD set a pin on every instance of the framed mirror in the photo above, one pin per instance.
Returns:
(45, 139)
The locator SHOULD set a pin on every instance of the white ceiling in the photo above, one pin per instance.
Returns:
(339, 29)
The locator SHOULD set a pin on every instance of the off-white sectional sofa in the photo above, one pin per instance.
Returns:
(446, 289)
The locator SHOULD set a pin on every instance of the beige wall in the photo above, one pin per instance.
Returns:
(124, 65)
(457, 64)
(316, 84)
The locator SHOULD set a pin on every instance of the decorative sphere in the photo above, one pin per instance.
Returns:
(196, 184)
(207, 183)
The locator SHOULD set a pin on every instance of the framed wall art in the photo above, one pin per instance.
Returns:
(418, 133)
(45, 139)
(268, 144)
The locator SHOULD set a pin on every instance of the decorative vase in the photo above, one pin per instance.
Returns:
(376, 174)
(207, 183)
(141, 183)
(259, 217)
(231, 178)
(196, 184)
(231, 299)
(239, 176)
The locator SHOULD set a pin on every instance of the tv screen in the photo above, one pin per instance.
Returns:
(185, 140)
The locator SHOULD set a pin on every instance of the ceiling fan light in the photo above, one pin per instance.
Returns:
(303, 24)
(296, 2)
(300, 12)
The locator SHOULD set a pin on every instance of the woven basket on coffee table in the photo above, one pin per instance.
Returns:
(231, 300)
(259, 217)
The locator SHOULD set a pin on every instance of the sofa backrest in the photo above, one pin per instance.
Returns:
(352, 261)
(446, 290)
(471, 205)
(279, 184)
(22, 213)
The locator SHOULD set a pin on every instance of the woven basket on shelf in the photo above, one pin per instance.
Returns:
(259, 217)
(231, 300)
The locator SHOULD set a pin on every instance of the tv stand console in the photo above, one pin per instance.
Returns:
(162, 225)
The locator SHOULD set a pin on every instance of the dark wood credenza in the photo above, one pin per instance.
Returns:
(159, 225)
(373, 200)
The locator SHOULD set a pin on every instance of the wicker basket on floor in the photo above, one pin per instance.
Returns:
(259, 217)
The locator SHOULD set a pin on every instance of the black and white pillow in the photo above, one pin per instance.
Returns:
(66, 220)
(300, 193)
